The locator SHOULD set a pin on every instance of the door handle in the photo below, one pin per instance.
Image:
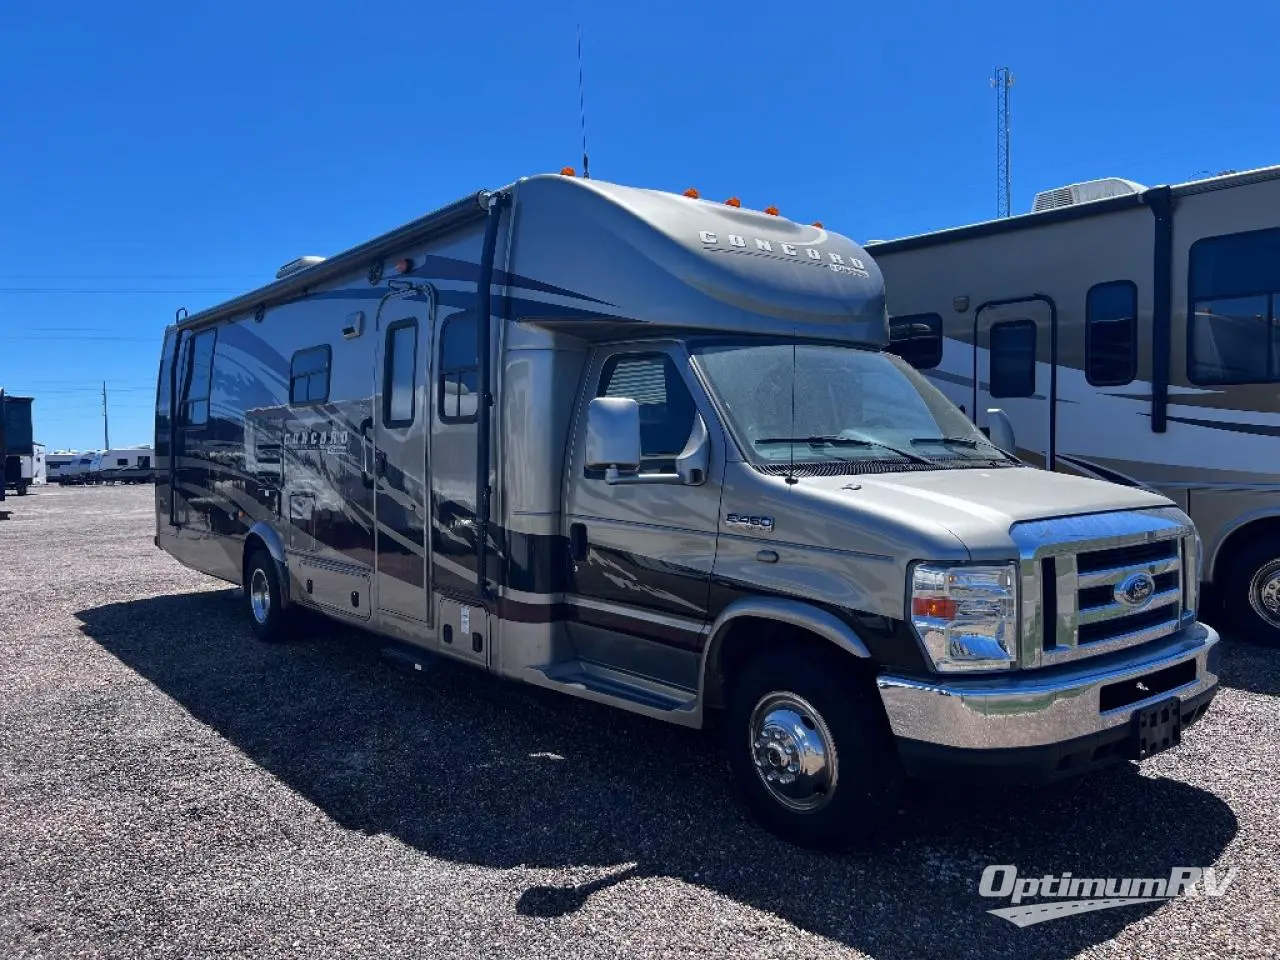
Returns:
(365, 444)
(578, 542)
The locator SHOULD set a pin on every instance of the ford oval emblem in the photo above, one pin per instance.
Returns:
(1135, 590)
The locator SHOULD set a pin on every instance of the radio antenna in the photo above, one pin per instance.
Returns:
(582, 109)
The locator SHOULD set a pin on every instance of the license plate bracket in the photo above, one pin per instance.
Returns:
(1157, 728)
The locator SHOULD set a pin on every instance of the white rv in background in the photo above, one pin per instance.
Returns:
(57, 464)
(126, 465)
(1129, 334)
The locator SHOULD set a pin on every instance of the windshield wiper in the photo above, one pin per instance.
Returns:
(971, 442)
(833, 441)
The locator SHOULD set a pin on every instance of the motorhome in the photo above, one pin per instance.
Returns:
(649, 450)
(1129, 333)
(126, 465)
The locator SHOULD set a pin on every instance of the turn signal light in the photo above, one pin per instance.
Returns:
(733, 202)
(940, 608)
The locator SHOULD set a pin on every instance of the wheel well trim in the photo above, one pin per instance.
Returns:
(270, 538)
(1214, 551)
(794, 613)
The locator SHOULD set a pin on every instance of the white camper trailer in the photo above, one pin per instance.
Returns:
(30, 472)
(58, 463)
(649, 450)
(1130, 334)
(127, 465)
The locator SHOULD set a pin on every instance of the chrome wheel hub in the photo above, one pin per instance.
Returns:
(1264, 593)
(260, 595)
(794, 754)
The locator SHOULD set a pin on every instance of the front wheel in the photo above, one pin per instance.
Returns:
(270, 620)
(811, 751)
(1251, 592)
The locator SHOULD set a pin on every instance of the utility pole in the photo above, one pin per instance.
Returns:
(1003, 81)
(106, 432)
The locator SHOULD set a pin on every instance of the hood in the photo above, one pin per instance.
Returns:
(977, 506)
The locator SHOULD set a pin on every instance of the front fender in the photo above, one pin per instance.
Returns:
(794, 613)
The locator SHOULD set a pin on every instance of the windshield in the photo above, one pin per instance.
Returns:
(815, 403)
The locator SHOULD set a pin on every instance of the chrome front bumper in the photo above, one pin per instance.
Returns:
(1048, 707)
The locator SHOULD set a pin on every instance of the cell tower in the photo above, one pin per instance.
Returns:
(1002, 81)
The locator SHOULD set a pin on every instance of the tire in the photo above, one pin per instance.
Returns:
(851, 794)
(270, 620)
(1250, 592)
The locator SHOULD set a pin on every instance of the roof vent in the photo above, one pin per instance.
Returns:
(294, 266)
(1086, 192)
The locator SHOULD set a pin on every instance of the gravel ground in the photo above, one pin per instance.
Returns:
(169, 787)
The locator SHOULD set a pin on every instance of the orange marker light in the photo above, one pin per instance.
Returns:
(771, 211)
(939, 608)
(404, 266)
(568, 172)
(818, 224)
(691, 193)
(733, 202)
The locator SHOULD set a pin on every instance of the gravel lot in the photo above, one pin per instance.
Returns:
(169, 787)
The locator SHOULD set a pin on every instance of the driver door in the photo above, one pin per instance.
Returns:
(641, 555)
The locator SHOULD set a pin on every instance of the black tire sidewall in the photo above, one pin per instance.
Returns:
(1237, 589)
(869, 777)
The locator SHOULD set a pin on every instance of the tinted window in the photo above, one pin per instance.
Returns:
(1111, 334)
(400, 374)
(309, 375)
(1234, 334)
(666, 406)
(198, 378)
(917, 339)
(459, 369)
(1013, 358)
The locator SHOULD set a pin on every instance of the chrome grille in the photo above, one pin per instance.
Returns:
(1074, 574)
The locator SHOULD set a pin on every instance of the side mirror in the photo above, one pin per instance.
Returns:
(1002, 431)
(613, 434)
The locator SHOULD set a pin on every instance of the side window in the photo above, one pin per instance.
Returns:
(197, 378)
(122, 461)
(309, 375)
(917, 339)
(400, 374)
(666, 406)
(1013, 358)
(1234, 321)
(459, 371)
(1111, 334)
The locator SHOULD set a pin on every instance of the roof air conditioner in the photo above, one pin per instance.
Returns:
(1086, 192)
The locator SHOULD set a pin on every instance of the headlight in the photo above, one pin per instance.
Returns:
(966, 617)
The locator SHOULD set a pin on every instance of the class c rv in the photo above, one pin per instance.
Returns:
(1128, 333)
(651, 451)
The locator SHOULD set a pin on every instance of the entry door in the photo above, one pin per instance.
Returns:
(1014, 371)
(401, 414)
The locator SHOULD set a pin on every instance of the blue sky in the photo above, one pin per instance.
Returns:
(162, 155)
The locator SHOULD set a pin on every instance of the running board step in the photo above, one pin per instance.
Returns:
(619, 688)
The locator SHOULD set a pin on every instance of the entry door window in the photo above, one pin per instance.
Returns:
(1013, 358)
(399, 387)
(666, 406)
